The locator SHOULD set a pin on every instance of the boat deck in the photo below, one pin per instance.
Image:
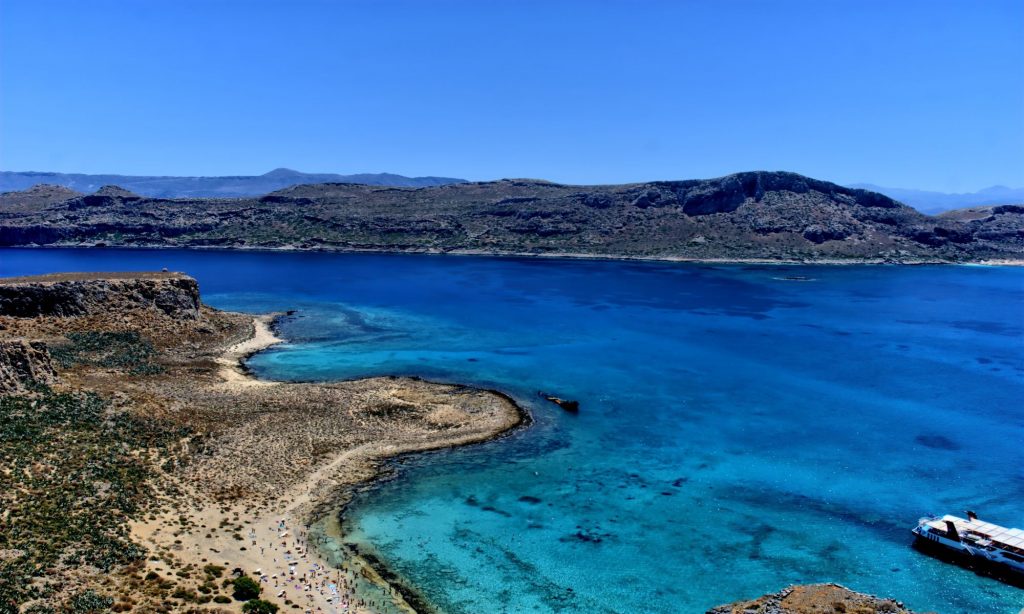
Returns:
(1001, 537)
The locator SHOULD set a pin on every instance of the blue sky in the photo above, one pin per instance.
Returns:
(926, 95)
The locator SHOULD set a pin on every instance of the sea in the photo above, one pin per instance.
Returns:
(741, 428)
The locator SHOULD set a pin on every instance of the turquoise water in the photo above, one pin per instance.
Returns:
(739, 431)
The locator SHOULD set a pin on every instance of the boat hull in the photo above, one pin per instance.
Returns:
(976, 563)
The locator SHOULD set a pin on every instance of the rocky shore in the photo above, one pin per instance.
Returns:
(230, 472)
(814, 599)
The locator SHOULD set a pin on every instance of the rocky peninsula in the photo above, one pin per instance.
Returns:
(751, 216)
(143, 465)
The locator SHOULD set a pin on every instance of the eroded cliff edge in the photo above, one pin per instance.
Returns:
(78, 294)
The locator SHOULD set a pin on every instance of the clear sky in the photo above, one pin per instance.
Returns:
(919, 94)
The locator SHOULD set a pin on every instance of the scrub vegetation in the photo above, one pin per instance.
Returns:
(74, 471)
(125, 350)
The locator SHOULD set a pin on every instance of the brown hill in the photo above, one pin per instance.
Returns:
(35, 198)
(755, 215)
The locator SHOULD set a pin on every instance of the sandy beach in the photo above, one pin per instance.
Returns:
(266, 534)
(232, 361)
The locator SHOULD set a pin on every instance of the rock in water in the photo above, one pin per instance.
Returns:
(567, 405)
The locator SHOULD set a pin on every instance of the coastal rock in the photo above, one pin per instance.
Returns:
(23, 363)
(814, 599)
(566, 404)
(78, 294)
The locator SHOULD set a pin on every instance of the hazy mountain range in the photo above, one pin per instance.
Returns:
(937, 202)
(185, 187)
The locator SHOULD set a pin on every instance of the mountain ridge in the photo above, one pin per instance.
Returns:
(934, 203)
(755, 215)
(169, 186)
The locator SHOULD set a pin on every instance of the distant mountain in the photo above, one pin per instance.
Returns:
(187, 187)
(937, 202)
(746, 216)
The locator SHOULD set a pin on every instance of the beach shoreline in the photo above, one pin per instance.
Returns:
(232, 362)
(305, 522)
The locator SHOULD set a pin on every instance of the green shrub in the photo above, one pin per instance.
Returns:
(89, 602)
(259, 606)
(246, 588)
(221, 599)
(123, 350)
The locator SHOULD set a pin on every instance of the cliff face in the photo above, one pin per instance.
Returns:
(814, 599)
(23, 363)
(77, 294)
(756, 215)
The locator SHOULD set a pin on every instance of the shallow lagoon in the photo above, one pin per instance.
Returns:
(739, 430)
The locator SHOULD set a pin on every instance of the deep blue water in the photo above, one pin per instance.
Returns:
(739, 431)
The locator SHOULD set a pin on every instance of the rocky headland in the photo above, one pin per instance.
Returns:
(141, 464)
(814, 599)
(79, 294)
(765, 216)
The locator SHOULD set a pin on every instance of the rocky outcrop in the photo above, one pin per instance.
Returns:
(77, 294)
(753, 215)
(566, 404)
(23, 363)
(814, 599)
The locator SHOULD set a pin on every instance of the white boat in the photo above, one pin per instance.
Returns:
(975, 543)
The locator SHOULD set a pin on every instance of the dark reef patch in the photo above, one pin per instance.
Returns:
(937, 442)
